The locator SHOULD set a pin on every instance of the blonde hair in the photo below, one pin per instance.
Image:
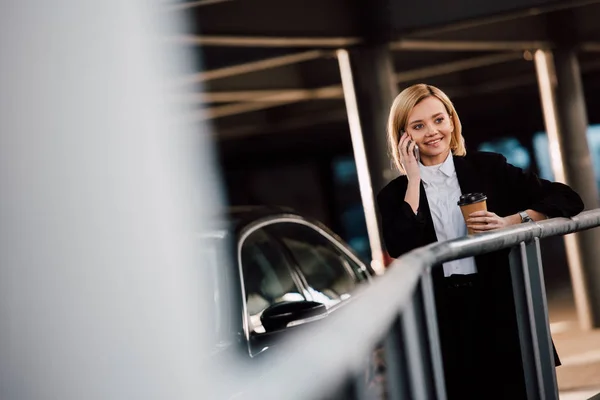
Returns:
(403, 105)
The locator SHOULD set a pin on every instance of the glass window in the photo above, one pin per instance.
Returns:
(267, 276)
(346, 196)
(543, 157)
(515, 153)
(329, 272)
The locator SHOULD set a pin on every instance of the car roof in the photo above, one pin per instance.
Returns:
(241, 216)
(233, 219)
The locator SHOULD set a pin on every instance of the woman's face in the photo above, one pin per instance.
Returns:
(430, 127)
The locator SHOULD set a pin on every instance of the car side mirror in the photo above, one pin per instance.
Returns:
(279, 315)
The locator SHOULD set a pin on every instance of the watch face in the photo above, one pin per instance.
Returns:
(525, 217)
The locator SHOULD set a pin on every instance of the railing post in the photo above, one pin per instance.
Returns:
(539, 319)
(532, 318)
(396, 374)
(518, 262)
(417, 349)
(351, 389)
(409, 374)
(435, 349)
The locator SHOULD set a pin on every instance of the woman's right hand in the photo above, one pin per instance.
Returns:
(406, 147)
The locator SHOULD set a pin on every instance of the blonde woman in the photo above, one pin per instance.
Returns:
(476, 314)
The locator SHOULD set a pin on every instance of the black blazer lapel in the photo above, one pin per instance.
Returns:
(424, 209)
(467, 180)
(470, 180)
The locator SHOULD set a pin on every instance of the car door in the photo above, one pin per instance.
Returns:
(268, 278)
(329, 270)
(332, 274)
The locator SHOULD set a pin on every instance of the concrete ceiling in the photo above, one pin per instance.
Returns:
(268, 67)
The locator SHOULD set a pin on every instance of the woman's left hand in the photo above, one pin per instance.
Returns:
(483, 221)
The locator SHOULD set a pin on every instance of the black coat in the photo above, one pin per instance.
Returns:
(509, 190)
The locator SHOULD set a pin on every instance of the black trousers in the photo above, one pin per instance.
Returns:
(481, 356)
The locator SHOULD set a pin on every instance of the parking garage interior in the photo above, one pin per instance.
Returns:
(268, 83)
(109, 285)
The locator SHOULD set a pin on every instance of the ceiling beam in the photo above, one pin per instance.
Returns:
(264, 96)
(456, 66)
(290, 59)
(263, 41)
(493, 86)
(406, 44)
(400, 45)
(236, 108)
(254, 66)
(465, 45)
(482, 21)
(288, 124)
(260, 100)
(275, 99)
(590, 47)
(335, 91)
(481, 45)
(334, 42)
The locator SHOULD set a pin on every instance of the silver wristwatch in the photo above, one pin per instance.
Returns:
(525, 217)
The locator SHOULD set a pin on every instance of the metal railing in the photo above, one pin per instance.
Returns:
(398, 310)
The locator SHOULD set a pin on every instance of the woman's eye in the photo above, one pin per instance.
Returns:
(439, 120)
(417, 127)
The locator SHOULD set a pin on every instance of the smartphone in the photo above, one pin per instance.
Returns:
(416, 152)
(416, 149)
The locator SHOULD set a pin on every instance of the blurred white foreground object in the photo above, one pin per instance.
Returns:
(100, 297)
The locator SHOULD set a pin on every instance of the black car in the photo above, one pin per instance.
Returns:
(285, 271)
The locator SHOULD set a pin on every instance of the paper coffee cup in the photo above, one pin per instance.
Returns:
(471, 202)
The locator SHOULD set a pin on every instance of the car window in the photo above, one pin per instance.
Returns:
(267, 276)
(329, 272)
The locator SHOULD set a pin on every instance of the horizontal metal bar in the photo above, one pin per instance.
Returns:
(502, 238)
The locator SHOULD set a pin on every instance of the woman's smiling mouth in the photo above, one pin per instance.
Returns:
(433, 142)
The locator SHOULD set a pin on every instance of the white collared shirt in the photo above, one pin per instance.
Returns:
(443, 191)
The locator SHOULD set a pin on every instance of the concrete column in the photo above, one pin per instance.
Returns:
(566, 122)
(376, 89)
(369, 89)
